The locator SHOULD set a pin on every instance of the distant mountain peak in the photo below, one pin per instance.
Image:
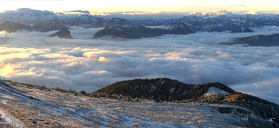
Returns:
(63, 33)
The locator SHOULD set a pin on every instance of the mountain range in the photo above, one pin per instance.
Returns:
(28, 19)
(125, 29)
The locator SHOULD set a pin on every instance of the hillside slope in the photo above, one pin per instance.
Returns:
(37, 106)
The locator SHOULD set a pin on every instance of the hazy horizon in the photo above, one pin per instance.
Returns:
(144, 6)
(140, 15)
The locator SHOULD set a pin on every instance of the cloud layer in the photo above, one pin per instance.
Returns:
(88, 64)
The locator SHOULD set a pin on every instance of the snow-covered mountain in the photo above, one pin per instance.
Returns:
(198, 21)
(28, 16)
(228, 22)
(46, 21)
(37, 17)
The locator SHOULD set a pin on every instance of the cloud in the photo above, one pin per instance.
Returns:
(89, 64)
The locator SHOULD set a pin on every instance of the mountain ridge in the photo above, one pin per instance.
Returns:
(257, 40)
(38, 106)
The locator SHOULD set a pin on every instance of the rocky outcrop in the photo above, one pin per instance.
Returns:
(62, 33)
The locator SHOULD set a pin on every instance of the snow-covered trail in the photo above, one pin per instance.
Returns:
(4, 115)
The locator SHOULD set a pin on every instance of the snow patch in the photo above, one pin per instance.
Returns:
(270, 120)
(11, 120)
(213, 91)
(171, 90)
(153, 88)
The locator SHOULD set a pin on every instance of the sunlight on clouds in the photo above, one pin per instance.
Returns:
(7, 70)
(96, 72)
(91, 51)
(2, 33)
(24, 62)
(174, 56)
(14, 56)
(90, 55)
(103, 59)
(54, 55)
(15, 70)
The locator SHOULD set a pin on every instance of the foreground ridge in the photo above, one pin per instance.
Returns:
(205, 105)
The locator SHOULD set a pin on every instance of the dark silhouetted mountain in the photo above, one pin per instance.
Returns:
(129, 31)
(13, 27)
(125, 29)
(163, 89)
(62, 33)
(258, 40)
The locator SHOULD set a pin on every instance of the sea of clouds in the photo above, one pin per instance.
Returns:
(89, 64)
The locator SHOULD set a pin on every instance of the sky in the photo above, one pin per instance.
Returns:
(149, 6)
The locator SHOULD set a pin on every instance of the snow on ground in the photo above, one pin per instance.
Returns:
(55, 109)
(11, 120)
(5, 116)
(213, 91)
